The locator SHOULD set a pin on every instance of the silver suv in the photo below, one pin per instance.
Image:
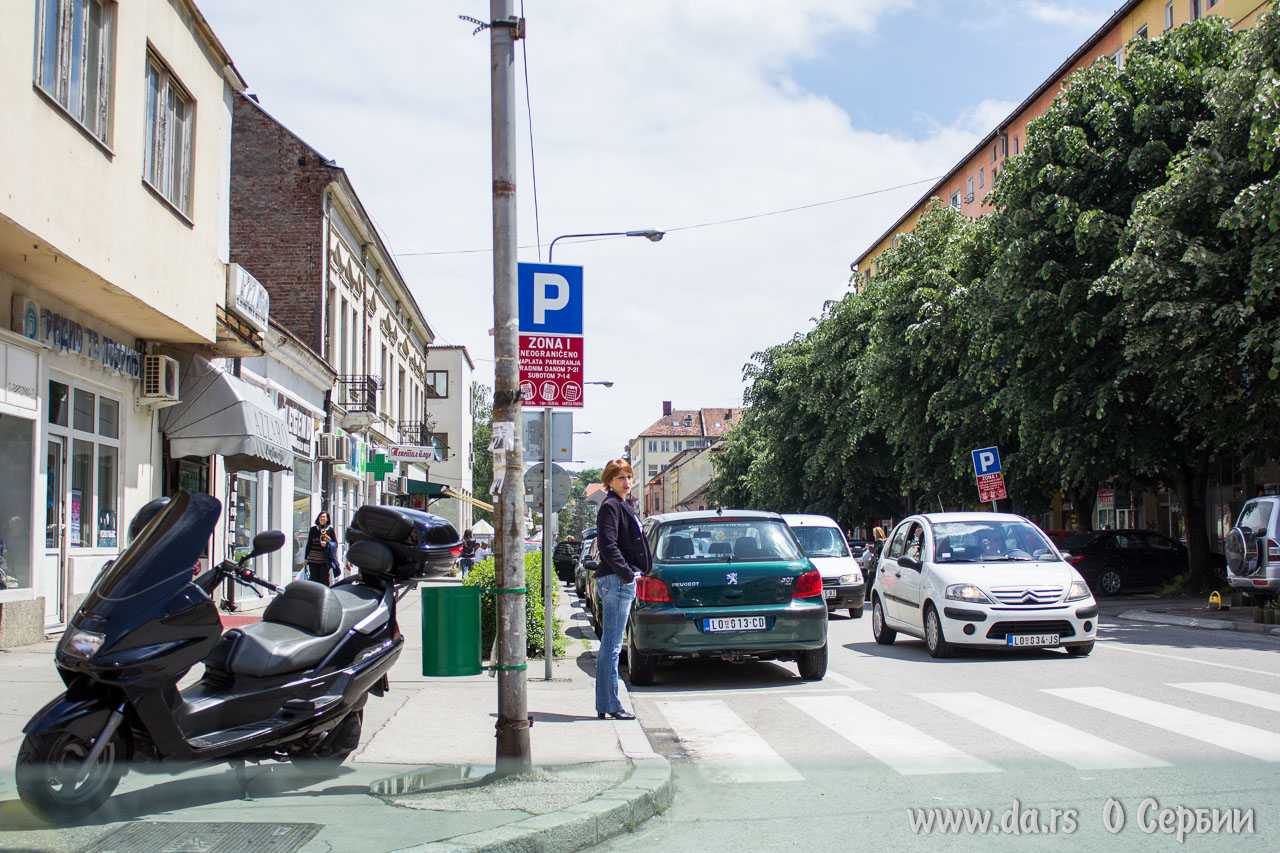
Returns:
(1253, 549)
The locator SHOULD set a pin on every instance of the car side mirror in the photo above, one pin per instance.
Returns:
(909, 563)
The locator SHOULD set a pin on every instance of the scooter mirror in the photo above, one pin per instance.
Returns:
(266, 542)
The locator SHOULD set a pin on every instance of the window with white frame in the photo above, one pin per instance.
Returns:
(653, 447)
(955, 202)
(982, 176)
(170, 134)
(1118, 57)
(1142, 33)
(438, 384)
(969, 190)
(1168, 15)
(1195, 10)
(73, 59)
(88, 423)
(666, 447)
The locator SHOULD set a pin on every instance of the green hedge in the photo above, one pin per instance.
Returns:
(482, 575)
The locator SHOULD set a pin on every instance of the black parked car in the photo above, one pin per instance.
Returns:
(1115, 560)
(564, 557)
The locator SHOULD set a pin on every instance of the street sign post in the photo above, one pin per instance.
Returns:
(533, 435)
(560, 485)
(986, 467)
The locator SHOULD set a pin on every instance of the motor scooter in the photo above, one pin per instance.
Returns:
(291, 687)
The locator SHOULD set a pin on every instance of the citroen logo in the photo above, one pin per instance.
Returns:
(1030, 597)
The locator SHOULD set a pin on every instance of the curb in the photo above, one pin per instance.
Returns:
(647, 791)
(1192, 622)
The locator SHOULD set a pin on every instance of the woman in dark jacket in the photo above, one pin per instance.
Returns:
(624, 557)
(322, 550)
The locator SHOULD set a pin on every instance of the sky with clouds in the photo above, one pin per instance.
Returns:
(667, 114)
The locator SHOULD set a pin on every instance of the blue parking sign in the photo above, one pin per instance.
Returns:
(986, 461)
(550, 299)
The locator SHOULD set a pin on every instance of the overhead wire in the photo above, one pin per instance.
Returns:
(533, 160)
(730, 220)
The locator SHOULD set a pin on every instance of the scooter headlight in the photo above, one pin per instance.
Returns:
(79, 644)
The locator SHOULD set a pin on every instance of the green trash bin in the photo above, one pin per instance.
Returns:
(451, 630)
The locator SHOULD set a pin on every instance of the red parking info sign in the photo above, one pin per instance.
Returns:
(991, 488)
(551, 370)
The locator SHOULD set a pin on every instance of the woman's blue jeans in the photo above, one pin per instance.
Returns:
(616, 599)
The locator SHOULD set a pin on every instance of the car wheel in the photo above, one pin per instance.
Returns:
(855, 612)
(1109, 582)
(48, 769)
(578, 586)
(1080, 651)
(883, 633)
(813, 663)
(640, 667)
(933, 638)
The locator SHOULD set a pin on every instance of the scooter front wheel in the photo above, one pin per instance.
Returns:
(48, 771)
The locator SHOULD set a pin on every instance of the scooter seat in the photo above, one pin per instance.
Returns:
(298, 629)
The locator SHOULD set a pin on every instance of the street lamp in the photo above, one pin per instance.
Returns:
(606, 383)
(650, 234)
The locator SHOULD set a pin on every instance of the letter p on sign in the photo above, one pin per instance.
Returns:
(544, 284)
(986, 461)
(550, 297)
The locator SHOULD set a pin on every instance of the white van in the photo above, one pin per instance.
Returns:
(824, 544)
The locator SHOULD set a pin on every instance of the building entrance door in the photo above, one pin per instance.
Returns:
(54, 568)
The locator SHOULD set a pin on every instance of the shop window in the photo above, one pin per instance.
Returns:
(169, 133)
(302, 517)
(243, 505)
(16, 437)
(85, 426)
(73, 59)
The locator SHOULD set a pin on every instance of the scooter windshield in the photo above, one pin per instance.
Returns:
(159, 561)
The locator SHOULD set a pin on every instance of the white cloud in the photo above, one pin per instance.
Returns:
(655, 115)
(1064, 15)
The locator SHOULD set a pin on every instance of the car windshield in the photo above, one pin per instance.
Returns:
(990, 541)
(821, 541)
(725, 540)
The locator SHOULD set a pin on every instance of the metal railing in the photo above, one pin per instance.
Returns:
(358, 393)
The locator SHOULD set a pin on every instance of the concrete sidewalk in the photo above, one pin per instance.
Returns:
(417, 782)
(1196, 613)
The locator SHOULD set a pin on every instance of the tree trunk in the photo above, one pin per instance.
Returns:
(1190, 483)
(1083, 497)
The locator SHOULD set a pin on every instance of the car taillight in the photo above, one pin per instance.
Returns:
(652, 589)
(1273, 551)
(457, 552)
(807, 585)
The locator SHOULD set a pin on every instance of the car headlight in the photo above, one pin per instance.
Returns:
(851, 578)
(967, 592)
(81, 644)
(1079, 590)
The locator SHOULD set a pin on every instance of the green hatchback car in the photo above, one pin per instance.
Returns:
(729, 584)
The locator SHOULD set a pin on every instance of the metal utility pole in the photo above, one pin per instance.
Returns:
(548, 530)
(513, 754)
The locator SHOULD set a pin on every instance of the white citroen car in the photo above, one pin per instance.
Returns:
(980, 579)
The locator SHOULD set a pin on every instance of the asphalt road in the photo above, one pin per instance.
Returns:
(1157, 719)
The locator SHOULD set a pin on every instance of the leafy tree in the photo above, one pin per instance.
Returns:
(579, 513)
(1199, 290)
(1054, 333)
(481, 435)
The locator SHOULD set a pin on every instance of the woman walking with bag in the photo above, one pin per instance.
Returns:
(624, 557)
(322, 550)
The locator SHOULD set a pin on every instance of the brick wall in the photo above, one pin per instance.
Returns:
(277, 218)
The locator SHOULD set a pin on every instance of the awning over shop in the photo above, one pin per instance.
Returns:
(440, 490)
(223, 415)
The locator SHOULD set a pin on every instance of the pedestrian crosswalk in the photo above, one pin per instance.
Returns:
(933, 733)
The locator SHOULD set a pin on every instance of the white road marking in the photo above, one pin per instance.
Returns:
(846, 681)
(909, 751)
(1233, 692)
(725, 747)
(1116, 645)
(1220, 732)
(1059, 741)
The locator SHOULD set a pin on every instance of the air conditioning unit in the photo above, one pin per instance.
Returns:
(159, 380)
(342, 452)
(396, 485)
(328, 450)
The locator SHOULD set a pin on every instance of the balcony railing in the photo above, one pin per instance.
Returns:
(358, 393)
(415, 432)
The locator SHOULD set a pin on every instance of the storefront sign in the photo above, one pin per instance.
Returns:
(301, 424)
(18, 382)
(247, 298)
(412, 453)
(1106, 500)
(66, 335)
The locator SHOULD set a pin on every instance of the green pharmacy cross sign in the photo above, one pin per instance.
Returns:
(378, 466)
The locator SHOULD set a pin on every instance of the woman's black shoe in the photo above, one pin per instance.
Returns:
(617, 715)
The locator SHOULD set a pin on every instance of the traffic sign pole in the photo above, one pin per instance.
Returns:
(548, 612)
